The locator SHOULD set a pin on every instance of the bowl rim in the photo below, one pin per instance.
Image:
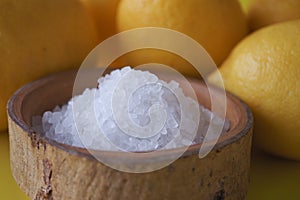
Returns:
(14, 110)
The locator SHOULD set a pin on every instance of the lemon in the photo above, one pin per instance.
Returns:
(266, 12)
(264, 70)
(216, 25)
(104, 15)
(40, 37)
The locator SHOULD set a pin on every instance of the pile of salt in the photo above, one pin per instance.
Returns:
(94, 120)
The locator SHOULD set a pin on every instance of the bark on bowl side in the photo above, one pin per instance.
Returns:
(49, 170)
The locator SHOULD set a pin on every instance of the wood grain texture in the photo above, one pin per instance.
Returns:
(49, 170)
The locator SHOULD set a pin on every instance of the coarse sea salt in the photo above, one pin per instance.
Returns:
(127, 104)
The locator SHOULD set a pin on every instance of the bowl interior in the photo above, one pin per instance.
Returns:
(44, 94)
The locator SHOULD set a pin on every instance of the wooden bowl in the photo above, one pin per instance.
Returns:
(49, 170)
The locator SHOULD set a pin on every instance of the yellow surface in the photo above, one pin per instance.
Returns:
(264, 71)
(271, 177)
(8, 187)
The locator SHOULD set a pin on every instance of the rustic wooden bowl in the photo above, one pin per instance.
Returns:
(49, 170)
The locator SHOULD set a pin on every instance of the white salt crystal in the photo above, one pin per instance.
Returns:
(90, 120)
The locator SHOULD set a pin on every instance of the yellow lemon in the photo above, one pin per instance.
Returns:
(40, 37)
(104, 15)
(264, 70)
(266, 12)
(216, 25)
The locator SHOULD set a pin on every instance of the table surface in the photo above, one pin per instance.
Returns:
(271, 178)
